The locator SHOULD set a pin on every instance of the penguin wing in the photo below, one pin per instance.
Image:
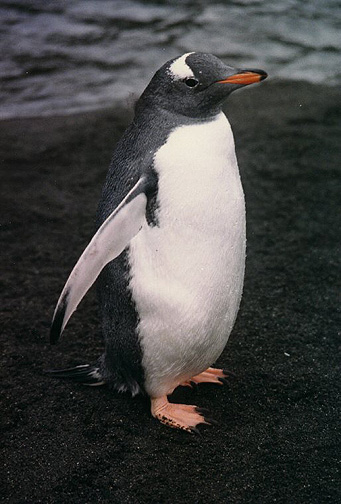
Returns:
(108, 242)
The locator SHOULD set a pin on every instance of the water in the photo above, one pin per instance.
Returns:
(65, 56)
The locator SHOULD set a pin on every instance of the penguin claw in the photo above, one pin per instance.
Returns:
(202, 411)
(211, 421)
(195, 430)
(228, 373)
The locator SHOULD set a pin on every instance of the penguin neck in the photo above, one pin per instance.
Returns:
(146, 110)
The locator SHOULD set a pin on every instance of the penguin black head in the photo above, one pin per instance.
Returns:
(195, 85)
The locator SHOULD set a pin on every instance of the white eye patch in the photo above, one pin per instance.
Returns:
(179, 69)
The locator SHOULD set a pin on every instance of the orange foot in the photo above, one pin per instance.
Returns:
(211, 375)
(178, 416)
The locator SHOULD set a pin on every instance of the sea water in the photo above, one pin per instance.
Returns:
(66, 56)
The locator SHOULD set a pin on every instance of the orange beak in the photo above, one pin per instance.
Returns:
(244, 78)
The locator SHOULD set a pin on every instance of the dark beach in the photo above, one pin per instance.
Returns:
(277, 438)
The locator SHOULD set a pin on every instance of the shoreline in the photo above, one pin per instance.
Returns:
(127, 103)
(278, 421)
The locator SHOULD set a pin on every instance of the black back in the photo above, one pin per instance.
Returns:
(121, 363)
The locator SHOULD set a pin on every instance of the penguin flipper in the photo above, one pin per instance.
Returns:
(108, 242)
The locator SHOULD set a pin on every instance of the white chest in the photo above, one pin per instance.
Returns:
(187, 272)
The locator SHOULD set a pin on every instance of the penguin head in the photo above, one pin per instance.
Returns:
(196, 85)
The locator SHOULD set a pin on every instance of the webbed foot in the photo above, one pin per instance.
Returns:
(178, 416)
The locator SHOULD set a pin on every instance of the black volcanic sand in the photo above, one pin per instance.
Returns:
(278, 419)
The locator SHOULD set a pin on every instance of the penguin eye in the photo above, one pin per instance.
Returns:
(191, 82)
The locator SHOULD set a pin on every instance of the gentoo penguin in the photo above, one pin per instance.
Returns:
(170, 246)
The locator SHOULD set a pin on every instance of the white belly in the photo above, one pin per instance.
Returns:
(187, 272)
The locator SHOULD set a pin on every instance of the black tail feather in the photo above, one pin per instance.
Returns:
(85, 374)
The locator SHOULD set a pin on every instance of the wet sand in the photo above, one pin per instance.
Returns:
(278, 418)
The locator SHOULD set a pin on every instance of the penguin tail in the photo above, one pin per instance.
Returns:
(85, 374)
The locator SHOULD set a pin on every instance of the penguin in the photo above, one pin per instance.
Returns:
(169, 251)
